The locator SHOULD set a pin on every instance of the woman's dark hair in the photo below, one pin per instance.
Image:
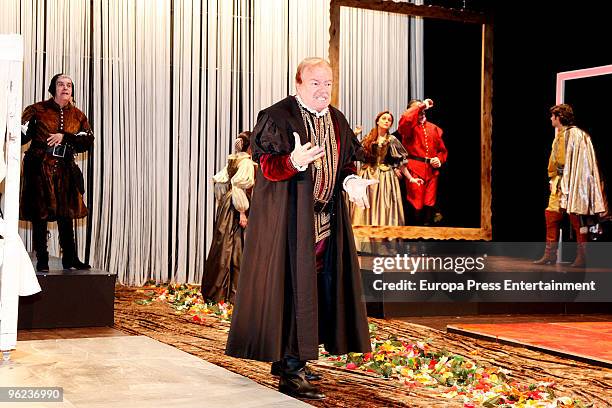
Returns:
(564, 112)
(373, 135)
(53, 85)
(243, 141)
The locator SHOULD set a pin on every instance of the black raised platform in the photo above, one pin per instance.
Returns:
(69, 298)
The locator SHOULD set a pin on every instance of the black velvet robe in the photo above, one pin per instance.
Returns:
(278, 289)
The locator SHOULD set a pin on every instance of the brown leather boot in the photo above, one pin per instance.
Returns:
(581, 240)
(553, 222)
(580, 261)
(550, 254)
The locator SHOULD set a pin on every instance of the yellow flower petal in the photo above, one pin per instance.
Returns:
(450, 394)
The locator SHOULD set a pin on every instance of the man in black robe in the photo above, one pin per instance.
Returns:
(300, 285)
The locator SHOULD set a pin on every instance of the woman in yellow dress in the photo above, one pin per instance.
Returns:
(385, 161)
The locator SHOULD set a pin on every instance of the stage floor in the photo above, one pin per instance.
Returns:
(344, 388)
(129, 371)
(590, 342)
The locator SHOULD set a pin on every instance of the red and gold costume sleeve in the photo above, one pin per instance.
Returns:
(277, 167)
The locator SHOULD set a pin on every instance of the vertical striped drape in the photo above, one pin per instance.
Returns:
(380, 56)
(132, 120)
(417, 73)
(167, 85)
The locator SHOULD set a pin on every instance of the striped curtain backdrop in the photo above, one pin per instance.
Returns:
(381, 57)
(167, 85)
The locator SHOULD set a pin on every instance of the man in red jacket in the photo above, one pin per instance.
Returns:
(427, 153)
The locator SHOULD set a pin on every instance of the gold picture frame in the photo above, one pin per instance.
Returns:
(484, 232)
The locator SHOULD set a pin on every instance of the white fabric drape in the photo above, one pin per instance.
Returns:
(17, 277)
(131, 118)
(285, 32)
(417, 73)
(380, 64)
(167, 85)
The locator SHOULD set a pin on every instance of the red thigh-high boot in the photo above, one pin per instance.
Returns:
(581, 240)
(553, 222)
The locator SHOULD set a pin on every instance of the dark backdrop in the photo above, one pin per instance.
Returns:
(531, 45)
(452, 61)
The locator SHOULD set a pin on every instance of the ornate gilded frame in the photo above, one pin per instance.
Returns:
(484, 232)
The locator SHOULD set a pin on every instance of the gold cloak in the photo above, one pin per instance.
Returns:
(581, 186)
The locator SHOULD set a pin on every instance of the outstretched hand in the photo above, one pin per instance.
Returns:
(304, 154)
(357, 189)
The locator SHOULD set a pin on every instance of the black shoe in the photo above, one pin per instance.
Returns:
(277, 369)
(296, 386)
(42, 265)
(75, 264)
(311, 376)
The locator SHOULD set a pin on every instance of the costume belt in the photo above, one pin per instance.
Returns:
(59, 151)
(423, 159)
